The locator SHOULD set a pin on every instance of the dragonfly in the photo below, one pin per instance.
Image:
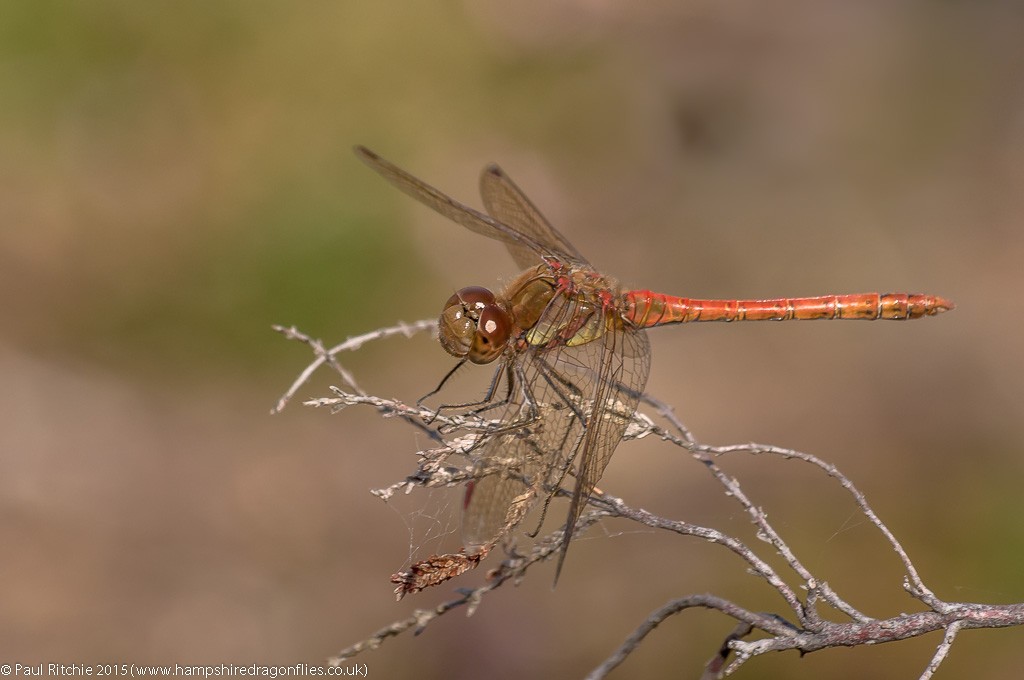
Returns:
(572, 353)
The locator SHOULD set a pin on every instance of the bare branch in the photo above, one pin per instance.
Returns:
(902, 627)
(765, 622)
(460, 433)
(512, 569)
(943, 649)
(327, 355)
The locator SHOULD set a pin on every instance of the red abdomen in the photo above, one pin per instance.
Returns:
(646, 309)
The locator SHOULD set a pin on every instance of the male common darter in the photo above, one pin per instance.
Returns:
(573, 355)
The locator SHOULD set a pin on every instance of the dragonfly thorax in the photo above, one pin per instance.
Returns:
(474, 325)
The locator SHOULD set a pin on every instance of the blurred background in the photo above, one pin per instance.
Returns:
(176, 177)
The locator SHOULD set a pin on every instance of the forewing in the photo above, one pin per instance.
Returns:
(520, 244)
(507, 203)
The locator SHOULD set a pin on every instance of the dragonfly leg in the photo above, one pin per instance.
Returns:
(491, 402)
(572, 396)
(472, 407)
(440, 385)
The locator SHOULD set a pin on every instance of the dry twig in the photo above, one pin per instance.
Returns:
(808, 630)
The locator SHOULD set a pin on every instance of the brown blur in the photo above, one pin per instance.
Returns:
(176, 177)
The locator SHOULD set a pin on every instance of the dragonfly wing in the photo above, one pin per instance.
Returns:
(538, 430)
(520, 244)
(614, 370)
(487, 506)
(574, 404)
(507, 203)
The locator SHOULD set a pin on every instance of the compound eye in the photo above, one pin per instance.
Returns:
(456, 330)
(492, 333)
(471, 298)
(474, 325)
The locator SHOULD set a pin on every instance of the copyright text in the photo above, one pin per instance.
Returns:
(136, 671)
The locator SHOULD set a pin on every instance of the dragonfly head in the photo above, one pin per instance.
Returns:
(474, 326)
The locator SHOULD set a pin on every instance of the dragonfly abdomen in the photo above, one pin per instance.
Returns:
(646, 309)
